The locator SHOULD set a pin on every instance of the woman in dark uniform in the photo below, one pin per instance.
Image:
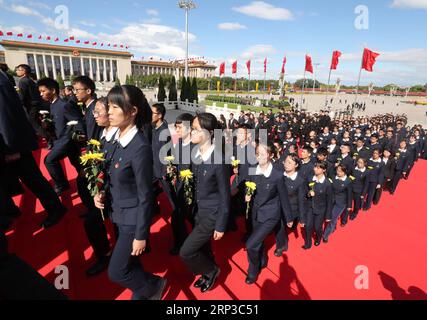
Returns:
(376, 179)
(297, 191)
(211, 202)
(320, 207)
(130, 189)
(270, 202)
(360, 188)
(343, 199)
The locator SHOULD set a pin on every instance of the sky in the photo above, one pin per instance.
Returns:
(229, 30)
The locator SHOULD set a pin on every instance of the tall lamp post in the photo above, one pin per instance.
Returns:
(187, 5)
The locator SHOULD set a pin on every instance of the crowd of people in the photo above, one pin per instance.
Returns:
(278, 172)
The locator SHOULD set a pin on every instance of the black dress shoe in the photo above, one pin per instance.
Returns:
(317, 243)
(200, 282)
(210, 282)
(279, 252)
(325, 240)
(250, 280)
(306, 247)
(158, 295)
(52, 220)
(99, 266)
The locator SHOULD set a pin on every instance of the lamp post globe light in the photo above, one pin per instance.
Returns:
(187, 5)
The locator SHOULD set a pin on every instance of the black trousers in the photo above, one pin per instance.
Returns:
(255, 245)
(396, 179)
(314, 222)
(28, 172)
(196, 252)
(127, 270)
(372, 189)
(358, 203)
(281, 232)
(53, 164)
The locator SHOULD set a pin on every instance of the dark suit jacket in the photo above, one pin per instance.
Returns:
(297, 191)
(91, 127)
(62, 112)
(343, 192)
(271, 199)
(389, 168)
(212, 191)
(16, 132)
(361, 181)
(29, 94)
(159, 169)
(131, 186)
(322, 202)
(376, 172)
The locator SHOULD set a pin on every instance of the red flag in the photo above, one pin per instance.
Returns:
(109, 44)
(66, 40)
(77, 41)
(248, 65)
(283, 65)
(40, 37)
(30, 36)
(19, 35)
(102, 44)
(72, 38)
(115, 46)
(48, 38)
(234, 67)
(94, 44)
(9, 33)
(308, 64)
(86, 42)
(222, 69)
(121, 46)
(335, 60)
(57, 39)
(369, 59)
(265, 65)
(1, 33)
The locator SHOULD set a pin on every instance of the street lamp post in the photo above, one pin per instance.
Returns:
(187, 5)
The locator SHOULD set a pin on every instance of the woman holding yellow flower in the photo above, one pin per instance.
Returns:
(130, 190)
(269, 200)
(211, 202)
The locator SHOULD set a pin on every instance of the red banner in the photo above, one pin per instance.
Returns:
(248, 65)
(308, 64)
(335, 60)
(222, 69)
(234, 67)
(369, 59)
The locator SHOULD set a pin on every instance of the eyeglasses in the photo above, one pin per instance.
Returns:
(76, 90)
(97, 114)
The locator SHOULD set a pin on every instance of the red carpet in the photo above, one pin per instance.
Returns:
(389, 239)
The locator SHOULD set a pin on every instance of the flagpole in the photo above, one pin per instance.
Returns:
(249, 84)
(263, 94)
(303, 87)
(327, 88)
(223, 86)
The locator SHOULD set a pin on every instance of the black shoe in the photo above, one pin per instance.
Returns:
(200, 282)
(317, 243)
(325, 240)
(279, 252)
(174, 251)
(352, 218)
(52, 220)
(306, 247)
(250, 280)
(99, 266)
(158, 295)
(209, 283)
(343, 225)
(60, 190)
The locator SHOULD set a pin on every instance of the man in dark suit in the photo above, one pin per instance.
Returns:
(389, 168)
(17, 141)
(64, 117)
(84, 89)
(403, 163)
(232, 123)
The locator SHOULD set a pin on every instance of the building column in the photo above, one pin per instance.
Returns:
(98, 74)
(71, 66)
(37, 67)
(62, 68)
(111, 71)
(105, 70)
(46, 73)
(82, 67)
(90, 68)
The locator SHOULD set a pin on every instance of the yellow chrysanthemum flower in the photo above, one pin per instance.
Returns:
(170, 159)
(94, 142)
(186, 174)
(312, 184)
(250, 185)
(89, 157)
(235, 163)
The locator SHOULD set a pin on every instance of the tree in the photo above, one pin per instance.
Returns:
(60, 81)
(173, 95)
(127, 82)
(194, 91)
(117, 83)
(161, 95)
(184, 92)
(308, 83)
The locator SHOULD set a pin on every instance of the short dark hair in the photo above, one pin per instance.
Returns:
(49, 83)
(295, 159)
(127, 97)
(104, 102)
(323, 151)
(322, 165)
(160, 108)
(184, 118)
(343, 168)
(308, 149)
(87, 82)
(26, 67)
